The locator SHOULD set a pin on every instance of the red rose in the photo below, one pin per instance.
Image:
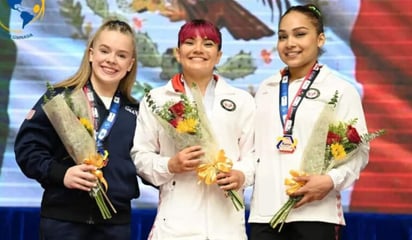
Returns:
(332, 138)
(178, 109)
(174, 122)
(353, 135)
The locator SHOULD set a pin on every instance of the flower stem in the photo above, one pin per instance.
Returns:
(107, 199)
(282, 214)
(102, 207)
(101, 198)
(236, 199)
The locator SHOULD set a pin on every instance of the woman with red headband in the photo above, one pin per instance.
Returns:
(188, 209)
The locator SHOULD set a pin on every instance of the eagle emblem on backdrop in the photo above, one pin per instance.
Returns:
(228, 14)
(239, 22)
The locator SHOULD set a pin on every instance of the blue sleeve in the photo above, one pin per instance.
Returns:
(38, 150)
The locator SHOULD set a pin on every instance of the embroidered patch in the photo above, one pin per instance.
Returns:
(30, 114)
(131, 110)
(227, 104)
(312, 93)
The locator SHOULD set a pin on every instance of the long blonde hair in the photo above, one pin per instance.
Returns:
(80, 78)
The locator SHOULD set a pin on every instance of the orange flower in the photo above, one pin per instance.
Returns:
(266, 56)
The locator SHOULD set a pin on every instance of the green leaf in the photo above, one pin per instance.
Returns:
(72, 13)
(99, 7)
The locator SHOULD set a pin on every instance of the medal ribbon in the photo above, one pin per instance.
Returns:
(287, 114)
(107, 124)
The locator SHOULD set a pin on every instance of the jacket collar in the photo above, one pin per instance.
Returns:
(275, 80)
(176, 87)
(178, 84)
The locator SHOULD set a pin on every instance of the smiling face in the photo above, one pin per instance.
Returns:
(198, 56)
(199, 44)
(111, 57)
(298, 43)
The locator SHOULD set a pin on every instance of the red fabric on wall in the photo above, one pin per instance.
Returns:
(382, 43)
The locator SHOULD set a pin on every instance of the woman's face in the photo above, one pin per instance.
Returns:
(198, 55)
(111, 57)
(298, 42)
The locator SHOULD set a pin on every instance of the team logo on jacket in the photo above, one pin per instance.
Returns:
(312, 93)
(227, 104)
(131, 110)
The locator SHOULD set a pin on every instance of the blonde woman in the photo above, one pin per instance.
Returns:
(107, 72)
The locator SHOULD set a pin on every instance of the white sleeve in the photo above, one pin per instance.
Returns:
(150, 165)
(247, 160)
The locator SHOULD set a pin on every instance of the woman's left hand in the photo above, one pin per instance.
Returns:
(232, 180)
(316, 188)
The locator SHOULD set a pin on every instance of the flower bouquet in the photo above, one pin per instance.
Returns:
(331, 145)
(70, 116)
(186, 123)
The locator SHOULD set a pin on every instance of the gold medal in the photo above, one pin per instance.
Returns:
(286, 144)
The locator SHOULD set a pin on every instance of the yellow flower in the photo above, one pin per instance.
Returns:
(291, 184)
(87, 124)
(187, 126)
(338, 151)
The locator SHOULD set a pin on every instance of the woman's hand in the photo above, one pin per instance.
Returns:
(232, 180)
(316, 188)
(186, 160)
(80, 177)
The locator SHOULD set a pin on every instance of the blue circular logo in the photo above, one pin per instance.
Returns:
(21, 16)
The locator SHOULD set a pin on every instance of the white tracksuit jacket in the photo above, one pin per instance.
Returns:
(273, 167)
(188, 210)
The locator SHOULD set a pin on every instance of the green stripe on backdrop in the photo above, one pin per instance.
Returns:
(7, 62)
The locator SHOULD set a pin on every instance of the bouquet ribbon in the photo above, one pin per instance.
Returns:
(291, 184)
(207, 172)
(99, 161)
